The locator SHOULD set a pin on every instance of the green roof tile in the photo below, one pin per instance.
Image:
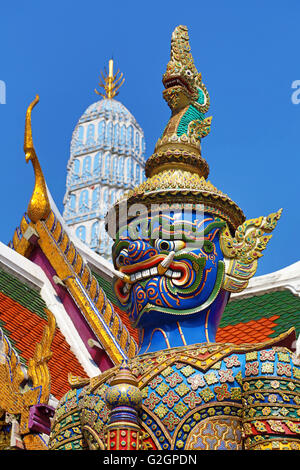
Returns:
(107, 287)
(282, 303)
(22, 293)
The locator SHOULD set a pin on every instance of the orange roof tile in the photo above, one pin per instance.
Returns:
(25, 330)
(253, 331)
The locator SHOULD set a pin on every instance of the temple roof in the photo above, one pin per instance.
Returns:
(260, 317)
(25, 293)
(68, 264)
(269, 306)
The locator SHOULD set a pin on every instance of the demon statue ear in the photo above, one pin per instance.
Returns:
(241, 253)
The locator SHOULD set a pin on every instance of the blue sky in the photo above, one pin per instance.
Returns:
(248, 53)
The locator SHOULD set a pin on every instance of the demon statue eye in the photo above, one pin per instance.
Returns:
(169, 245)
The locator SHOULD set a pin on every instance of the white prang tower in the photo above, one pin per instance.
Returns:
(107, 157)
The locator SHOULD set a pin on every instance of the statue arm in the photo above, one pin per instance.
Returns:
(66, 431)
(271, 396)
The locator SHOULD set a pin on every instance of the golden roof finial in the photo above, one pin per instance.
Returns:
(110, 82)
(39, 205)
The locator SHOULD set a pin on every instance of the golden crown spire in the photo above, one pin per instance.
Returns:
(110, 82)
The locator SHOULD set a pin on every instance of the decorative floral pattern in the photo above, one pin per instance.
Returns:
(283, 357)
(251, 356)
(196, 381)
(232, 361)
(170, 399)
(162, 389)
(180, 409)
(174, 379)
(266, 402)
(187, 371)
(252, 368)
(267, 368)
(156, 381)
(211, 378)
(182, 389)
(161, 411)
(284, 369)
(222, 392)
(207, 394)
(171, 421)
(226, 376)
(267, 355)
(192, 399)
(151, 401)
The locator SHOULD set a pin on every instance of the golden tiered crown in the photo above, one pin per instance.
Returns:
(177, 172)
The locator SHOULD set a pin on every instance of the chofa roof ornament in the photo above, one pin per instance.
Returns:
(39, 205)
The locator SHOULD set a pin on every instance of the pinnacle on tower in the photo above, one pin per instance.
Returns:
(110, 82)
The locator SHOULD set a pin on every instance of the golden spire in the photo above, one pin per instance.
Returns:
(110, 82)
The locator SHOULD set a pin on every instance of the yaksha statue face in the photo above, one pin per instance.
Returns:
(173, 265)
